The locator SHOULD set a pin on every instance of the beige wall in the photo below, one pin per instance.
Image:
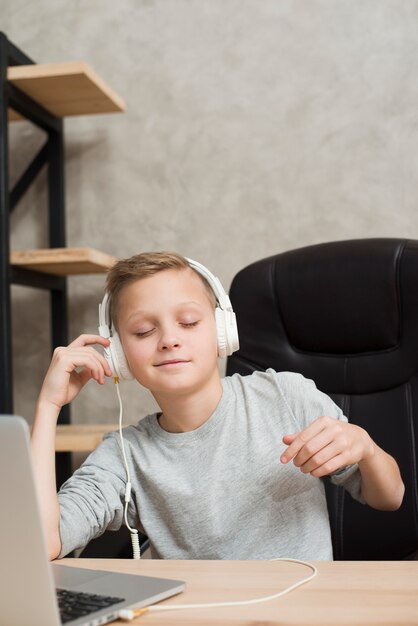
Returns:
(252, 127)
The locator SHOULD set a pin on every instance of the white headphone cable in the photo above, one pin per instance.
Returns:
(136, 548)
(130, 614)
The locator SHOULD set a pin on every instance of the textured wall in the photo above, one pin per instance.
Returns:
(252, 127)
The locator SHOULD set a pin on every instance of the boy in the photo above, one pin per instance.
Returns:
(212, 476)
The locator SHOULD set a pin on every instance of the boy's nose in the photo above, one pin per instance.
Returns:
(168, 345)
(168, 340)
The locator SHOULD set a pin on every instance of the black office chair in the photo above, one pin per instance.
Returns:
(345, 314)
(114, 545)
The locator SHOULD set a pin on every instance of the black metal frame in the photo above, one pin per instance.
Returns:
(52, 155)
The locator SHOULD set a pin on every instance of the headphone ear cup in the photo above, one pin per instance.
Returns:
(226, 327)
(231, 332)
(221, 331)
(117, 359)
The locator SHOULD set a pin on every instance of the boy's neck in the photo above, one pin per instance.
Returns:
(181, 414)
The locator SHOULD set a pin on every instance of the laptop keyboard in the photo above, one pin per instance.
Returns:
(74, 604)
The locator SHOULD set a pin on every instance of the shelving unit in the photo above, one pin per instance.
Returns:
(63, 261)
(81, 437)
(44, 94)
(64, 89)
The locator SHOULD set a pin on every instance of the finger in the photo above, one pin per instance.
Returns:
(288, 439)
(84, 377)
(89, 363)
(304, 436)
(314, 446)
(330, 466)
(87, 340)
(73, 357)
(69, 360)
(87, 374)
(102, 359)
(324, 456)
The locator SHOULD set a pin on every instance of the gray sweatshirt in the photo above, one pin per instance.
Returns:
(217, 492)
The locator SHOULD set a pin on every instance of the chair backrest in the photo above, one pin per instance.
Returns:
(345, 314)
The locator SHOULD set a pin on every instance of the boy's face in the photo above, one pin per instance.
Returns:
(167, 328)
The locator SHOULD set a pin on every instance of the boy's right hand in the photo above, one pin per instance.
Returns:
(62, 382)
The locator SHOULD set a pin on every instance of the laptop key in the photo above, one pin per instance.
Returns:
(75, 604)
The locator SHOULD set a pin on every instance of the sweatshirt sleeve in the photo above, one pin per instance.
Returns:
(307, 403)
(91, 501)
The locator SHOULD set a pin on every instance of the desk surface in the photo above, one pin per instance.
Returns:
(343, 592)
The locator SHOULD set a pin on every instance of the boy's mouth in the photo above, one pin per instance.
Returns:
(171, 362)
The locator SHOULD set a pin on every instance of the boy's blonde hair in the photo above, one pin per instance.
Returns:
(143, 265)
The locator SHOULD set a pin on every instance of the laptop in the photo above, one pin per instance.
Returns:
(29, 584)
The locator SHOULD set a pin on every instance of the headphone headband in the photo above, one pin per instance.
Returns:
(214, 283)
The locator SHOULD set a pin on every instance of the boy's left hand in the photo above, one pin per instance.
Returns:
(326, 446)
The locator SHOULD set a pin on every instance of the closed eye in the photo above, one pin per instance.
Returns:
(145, 333)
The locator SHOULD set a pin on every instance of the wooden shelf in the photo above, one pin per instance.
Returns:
(65, 89)
(81, 437)
(63, 261)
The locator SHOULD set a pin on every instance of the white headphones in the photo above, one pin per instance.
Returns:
(226, 326)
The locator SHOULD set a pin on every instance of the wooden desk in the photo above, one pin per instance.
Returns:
(343, 592)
